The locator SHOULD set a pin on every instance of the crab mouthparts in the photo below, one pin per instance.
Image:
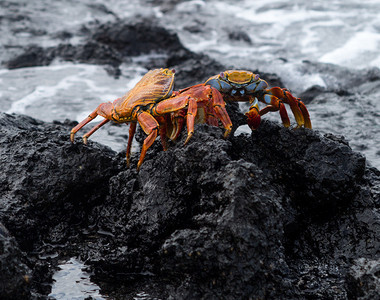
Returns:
(239, 92)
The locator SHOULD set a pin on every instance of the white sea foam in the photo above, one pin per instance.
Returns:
(358, 52)
(39, 92)
(69, 91)
(335, 32)
(66, 91)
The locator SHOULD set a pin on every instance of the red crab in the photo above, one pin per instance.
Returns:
(243, 86)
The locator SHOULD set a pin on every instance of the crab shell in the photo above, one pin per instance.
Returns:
(237, 83)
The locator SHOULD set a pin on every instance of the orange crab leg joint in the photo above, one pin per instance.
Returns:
(150, 126)
(132, 130)
(253, 115)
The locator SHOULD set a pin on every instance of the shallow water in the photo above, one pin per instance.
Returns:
(72, 281)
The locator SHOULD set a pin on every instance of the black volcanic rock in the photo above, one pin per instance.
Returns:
(136, 38)
(338, 79)
(308, 95)
(14, 274)
(240, 36)
(41, 172)
(33, 56)
(90, 52)
(108, 44)
(225, 218)
(46, 185)
(363, 279)
(277, 214)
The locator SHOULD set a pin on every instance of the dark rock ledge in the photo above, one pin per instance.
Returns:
(280, 214)
(111, 44)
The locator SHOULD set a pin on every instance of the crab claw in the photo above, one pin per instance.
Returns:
(305, 114)
(253, 118)
(253, 115)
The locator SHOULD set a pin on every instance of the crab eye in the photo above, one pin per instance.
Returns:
(173, 71)
(257, 77)
(222, 75)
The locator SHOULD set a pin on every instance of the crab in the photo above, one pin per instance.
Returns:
(240, 85)
(210, 109)
(245, 86)
(149, 103)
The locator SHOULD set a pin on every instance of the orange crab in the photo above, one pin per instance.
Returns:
(149, 103)
(244, 86)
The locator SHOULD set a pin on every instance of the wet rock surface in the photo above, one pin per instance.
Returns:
(363, 279)
(279, 213)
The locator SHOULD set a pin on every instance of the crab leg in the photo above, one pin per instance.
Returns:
(298, 108)
(220, 110)
(288, 98)
(132, 130)
(176, 123)
(150, 127)
(305, 114)
(209, 114)
(280, 107)
(275, 104)
(163, 129)
(293, 103)
(210, 108)
(103, 110)
(95, 128)
(178, 103)
(90, 117)
(253, 115)
(190, 118)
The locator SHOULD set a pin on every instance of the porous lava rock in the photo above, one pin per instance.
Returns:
(46, 186)
(136, 38)
(37, 176)
(281, 213)
(246, 217)
(14, 273)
